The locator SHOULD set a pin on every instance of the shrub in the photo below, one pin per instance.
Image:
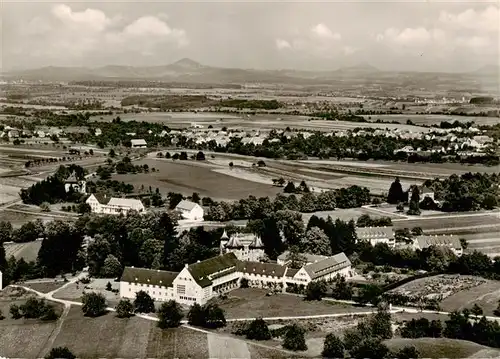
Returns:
(94, 304)
(59, 353)
(258, 330)
(169, 315)
(15, 312)
(143, 303)
(315, 290)
(125, 309)
(333, 347)
(244, 283)
(294, 338)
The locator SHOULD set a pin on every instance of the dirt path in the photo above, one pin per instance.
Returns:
(52, 338)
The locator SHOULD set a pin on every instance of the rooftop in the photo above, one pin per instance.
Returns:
(186, 205)
(440, 241)
(148, 276)
(367, 233)
(328, 265)
(268, 269)
(204, 270)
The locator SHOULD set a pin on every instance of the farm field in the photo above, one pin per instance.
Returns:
(253, 303)
(28, 251)
(450, 223)
(188, 177)
(434, 119)
(437, 348)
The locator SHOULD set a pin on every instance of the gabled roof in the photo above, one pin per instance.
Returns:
(234, 242)
(203, 272)
(256, 243)
(72, 178)
(125, 202)
(290, 272)
(426, 190)
(185, 205)
(450, 241)
(327, 266)
(138, 142)
(148, 276)
(224, 235)
(310, 258)
(101, 198)
(268, 269)
(367, 233)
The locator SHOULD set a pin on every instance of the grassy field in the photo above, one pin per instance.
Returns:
(444, 222)
(75, 291)
(253, 302)
(187, 177)
(28, 251)
(44, 287)
(443, 348)
(485, 295)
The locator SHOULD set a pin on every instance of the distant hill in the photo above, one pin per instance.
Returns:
(190, 71)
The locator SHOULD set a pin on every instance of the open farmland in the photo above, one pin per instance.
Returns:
(451, 223)
(434, 119)
(187, 177)
(28, 251)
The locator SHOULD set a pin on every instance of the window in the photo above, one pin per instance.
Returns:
(181, 289)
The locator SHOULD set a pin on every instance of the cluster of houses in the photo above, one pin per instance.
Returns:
(376, 235)
(238, 259)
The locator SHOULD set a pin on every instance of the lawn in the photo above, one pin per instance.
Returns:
(74, 291)
(485, 295)
(187, 177)
(44, 287)
(441, 347)
(253, 302)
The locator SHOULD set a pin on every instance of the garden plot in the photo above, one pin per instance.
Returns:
(439, 287)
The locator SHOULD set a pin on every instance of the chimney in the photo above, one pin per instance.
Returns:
(185, 265)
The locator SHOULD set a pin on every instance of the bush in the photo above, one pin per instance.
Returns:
(244, 283)
(169, 315)
(143, 303)
(45, 207)
(15, 312)
(94, 304)
(208, 316)
(258, 330)
(294, 338)
(59, 353)
(125, 309)
(333, 347)
(315, 290)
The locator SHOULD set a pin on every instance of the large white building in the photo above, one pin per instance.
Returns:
(246, 247)
(190, 210)
(111, 205)
(201, 281)
(376, 235)
(448, 241)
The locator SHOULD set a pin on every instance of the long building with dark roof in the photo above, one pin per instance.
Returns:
(199, 282)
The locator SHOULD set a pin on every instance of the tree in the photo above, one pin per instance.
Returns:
(294, 338)
(261, 163)
(396, 193)
(125, 309)
(258, 330)
(143, 303)
(112, 267)
(315, 290)
(295, 259)
(464, 243)
(15, 311)
(333, 347)
(169, 315)
(342, 289)
(214, 316)
(60, 353)
(316, 241)
(417, 231)
(369, 348)
(381, 323)
(94, 304)
(112, 153)
(414, 207)
(200, 156)
(289, 188)
(84, 208)
(400, 207)
(196, 315)
(408, 352)
(476, 310)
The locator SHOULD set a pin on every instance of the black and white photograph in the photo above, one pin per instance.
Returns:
(249, 179)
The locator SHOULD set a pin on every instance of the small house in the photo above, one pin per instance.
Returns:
(139, 143)
(190, 210)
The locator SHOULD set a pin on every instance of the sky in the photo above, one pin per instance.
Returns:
(427, 35)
